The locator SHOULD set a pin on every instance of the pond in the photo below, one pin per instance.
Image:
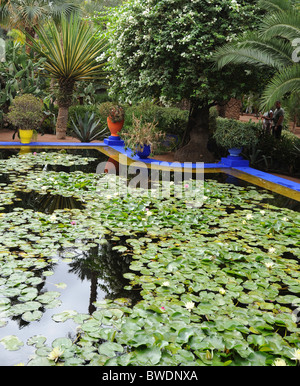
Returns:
(95, 272)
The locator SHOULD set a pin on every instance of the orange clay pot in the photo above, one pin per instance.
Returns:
(114, 127)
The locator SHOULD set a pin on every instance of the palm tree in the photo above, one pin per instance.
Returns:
(27, 14)
(272, 47)
(71, 52)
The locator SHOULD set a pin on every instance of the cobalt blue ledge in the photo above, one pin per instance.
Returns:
(226, 163)
(55, 144)
(113, 141)
(234, 161)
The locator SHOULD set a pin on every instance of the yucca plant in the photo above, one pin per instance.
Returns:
(272, 47)
(87, 129)
(71, 52)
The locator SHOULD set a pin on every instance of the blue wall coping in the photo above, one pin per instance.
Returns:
(236, 163)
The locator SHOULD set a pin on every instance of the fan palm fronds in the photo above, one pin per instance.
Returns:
(273, 46)
(286, 81)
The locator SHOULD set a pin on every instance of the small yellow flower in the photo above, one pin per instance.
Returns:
(55, 354)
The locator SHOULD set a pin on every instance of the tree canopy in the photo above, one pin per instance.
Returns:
(163, 48)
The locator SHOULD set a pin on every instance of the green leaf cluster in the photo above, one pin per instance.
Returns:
(219, 282)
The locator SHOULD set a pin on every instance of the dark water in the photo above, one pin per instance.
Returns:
(90, 275)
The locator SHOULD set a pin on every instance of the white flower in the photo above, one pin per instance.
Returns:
(279, 362)
(149, 213)
(262, 212)
(166, 284)
(189, 305)
(249, 216)
(222, 291)
(269, 264)
(272, 250)
(296, 355)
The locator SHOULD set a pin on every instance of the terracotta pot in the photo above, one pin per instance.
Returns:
(114, 127)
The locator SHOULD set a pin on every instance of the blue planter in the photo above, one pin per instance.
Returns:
(235, 151)
(145, 152)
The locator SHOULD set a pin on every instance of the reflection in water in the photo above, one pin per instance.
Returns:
(104, 268)
(45, 203)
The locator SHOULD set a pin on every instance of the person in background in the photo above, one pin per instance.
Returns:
(278, 118)
(267, 121)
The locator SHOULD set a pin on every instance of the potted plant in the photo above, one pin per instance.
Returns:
(234, 135)
(26, 113)
(114, 113)
(142, 138)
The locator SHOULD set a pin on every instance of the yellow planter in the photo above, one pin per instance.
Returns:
(25, 135)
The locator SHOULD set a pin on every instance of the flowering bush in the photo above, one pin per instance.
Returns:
(163, 48)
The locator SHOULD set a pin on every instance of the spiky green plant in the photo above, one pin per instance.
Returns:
(272, 46)
(71, 53)
(87, 129)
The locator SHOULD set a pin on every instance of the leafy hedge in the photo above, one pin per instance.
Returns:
(273, 155)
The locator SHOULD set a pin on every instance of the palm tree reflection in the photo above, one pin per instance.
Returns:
(105, 268)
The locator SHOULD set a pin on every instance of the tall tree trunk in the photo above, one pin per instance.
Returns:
(66, 87)
(62, 121)
(198, 133)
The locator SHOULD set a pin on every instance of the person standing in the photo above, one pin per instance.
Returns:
(278, 118)
(267, 119)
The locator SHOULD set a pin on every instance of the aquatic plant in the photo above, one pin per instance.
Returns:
(219, 283)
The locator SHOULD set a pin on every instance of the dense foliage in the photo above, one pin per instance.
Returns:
(26, 112)
(163, 48)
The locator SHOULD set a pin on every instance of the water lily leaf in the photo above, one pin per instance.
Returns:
(48, 297)
(11, 342)
(110, 348)
(148, 356)
(31, 316)
(37, 341)
(63, 316)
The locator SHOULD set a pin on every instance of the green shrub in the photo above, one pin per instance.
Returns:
(231, 133)
(171, 120)
(26, 112)
(276, 155)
